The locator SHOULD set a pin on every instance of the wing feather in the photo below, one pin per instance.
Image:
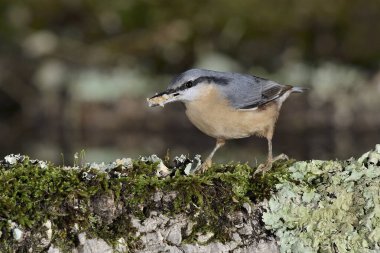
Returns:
(247, 92)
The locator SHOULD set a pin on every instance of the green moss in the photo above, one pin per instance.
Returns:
(318, 206)
(33, 192)
(328, 206)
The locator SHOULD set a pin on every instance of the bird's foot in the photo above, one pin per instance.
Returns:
(281, 157)
(268, 165)
(264, 167)
(204, 166)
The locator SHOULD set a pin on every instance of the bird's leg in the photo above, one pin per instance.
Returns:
(276, 158)
(268, 165)
(208, 162)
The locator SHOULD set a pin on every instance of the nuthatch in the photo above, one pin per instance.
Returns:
(227, 105)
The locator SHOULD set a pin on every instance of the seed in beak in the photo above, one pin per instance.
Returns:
(158, 100)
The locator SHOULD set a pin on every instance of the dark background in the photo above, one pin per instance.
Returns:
(75, 74)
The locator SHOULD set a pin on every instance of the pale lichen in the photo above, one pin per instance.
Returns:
(328, 206)
(316, 206)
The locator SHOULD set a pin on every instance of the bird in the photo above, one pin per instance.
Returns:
(228, 105)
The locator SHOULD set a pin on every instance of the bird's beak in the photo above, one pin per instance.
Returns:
(160, 99)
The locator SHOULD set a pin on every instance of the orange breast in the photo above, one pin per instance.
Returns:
(212, 114)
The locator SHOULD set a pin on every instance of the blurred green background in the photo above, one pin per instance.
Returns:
(74, 74)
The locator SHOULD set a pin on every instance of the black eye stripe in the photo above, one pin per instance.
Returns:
(209, 79)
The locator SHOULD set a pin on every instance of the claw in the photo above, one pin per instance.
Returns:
(205, 165)
(281, 157)
(268, 165)
(264, 167)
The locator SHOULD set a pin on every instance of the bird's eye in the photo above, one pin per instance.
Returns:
(189, 84)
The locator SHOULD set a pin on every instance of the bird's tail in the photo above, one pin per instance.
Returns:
(299, 89)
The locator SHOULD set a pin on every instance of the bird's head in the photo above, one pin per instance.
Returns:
(188, 86)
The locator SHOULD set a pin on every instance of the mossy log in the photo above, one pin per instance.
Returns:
(131, 206)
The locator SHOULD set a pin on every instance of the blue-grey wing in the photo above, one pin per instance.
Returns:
(250, 92)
